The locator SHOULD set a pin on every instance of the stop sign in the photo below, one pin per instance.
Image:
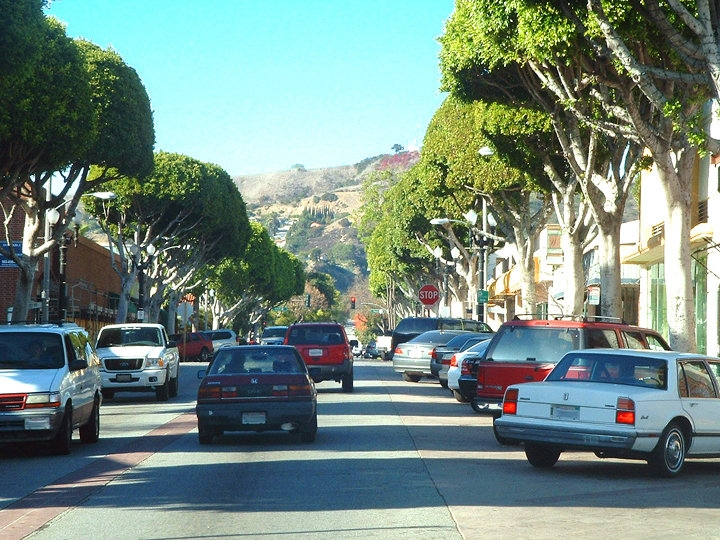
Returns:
(429, 295)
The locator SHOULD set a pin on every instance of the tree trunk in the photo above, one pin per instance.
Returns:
(126, 283)
(23, 287)
(574, 275)
(609, 267)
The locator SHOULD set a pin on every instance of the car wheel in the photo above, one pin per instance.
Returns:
(308, 432)
(459, 397)
(162, 393)
(477, 408)
(174, 384)
(204, 355)
(107, 394)
(444, 384)
(348, 382)
(504, 440)
(90, 432)
(669, 455)
(541, 456)
(62, 442)
(205, 435)
(409, 377)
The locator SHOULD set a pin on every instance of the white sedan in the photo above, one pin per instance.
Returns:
(456, 369)
(656, 406)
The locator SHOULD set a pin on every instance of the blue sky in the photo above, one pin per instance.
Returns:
(259, 85)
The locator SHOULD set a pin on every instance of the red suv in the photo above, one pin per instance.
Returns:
(527, 350)
(326, 351)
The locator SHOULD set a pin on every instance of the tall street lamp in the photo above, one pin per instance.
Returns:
(67, 238)
(141, 264)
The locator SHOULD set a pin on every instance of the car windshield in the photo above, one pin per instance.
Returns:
(230, 361)
(31, 350)
(524, 343)
(612, 369)
(274, 332)
(129, 335)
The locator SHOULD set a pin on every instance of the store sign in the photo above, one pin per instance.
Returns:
(593, 294)
(9, 263)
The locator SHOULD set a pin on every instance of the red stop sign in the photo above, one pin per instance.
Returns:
(429, 295)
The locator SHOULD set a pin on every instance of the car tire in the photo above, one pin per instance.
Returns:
(348, 382)
(309, 431)
(107, 394)
(90, 432)
(669, 455)
(174, 384)
(541, 456)
(504, 441)
(477, 408)
(409, 377)
(162, 393)
(443, 384)
(205, 435)
(459, 397)
(62, 442)
(204, 355)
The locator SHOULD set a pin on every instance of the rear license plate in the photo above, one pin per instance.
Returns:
(123, 377)
(253, 418)
(565, 412)
(315, 352)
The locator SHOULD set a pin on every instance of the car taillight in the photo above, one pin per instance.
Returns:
(465, 369)
(625, 413)
(480, 378)
(209, 392)
(433, 354)
(398, 351)
(510, 401)
(300, 389)
(229, 392)
(453, 361)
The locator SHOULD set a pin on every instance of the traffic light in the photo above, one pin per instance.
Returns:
(352, 302)
(307, 300)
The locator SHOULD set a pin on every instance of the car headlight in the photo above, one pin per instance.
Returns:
(154, 362)
(42, 399)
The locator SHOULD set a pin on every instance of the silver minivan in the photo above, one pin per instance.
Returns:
(49, 385)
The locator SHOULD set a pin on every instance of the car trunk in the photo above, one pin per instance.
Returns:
(586, 402)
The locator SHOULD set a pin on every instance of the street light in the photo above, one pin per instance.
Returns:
(141, 264)
(63, 243)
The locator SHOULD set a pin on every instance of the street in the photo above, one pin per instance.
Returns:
(391, 460)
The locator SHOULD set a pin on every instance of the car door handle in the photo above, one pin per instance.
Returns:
(692, 403)
(529, 378)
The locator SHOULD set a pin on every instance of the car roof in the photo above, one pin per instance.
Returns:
(574, 323)
(666, 355)
(57, 328)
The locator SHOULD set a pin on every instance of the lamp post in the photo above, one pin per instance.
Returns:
(53, 216)
(141, 264)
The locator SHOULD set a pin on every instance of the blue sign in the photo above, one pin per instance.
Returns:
(9, 263)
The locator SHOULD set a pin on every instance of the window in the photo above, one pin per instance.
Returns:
(597, 339)
(634, 340)
(698, 381)
(520, 344)
(612, 369)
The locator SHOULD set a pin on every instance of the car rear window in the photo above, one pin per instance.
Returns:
(415, 326)
(242, 361)
(274, 332)
(533, 343)
(611, 369)
(315, 335)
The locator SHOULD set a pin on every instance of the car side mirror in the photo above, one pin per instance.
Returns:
(77, 365)
(353, 342)
(172, 344)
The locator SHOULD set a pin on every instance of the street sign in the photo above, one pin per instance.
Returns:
(593, 294)
(429, 295)
(373, 310)
(279, 308)
(482, 296)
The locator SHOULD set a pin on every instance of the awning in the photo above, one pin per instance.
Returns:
(652, 250)
(508, 284)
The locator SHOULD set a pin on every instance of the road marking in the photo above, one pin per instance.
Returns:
(28, 514)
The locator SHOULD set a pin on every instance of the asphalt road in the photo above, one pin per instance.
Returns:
(391, 460)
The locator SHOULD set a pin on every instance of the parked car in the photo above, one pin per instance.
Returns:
(440, 362)
(326, 351)
(138, 357)
(49, 385)
(527, 350)
(222, 337)
(384, 346)
(356, 348)
(193, 346)
(657, 406)
(411, 327)
(256, 388)
(459, 371)
(273, 335)
(412, 358)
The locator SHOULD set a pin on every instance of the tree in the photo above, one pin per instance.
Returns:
(397, 148)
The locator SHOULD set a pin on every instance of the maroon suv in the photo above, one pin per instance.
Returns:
(326, 351)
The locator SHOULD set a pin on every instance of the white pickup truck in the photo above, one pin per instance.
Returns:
(138, 358)
(384, 346)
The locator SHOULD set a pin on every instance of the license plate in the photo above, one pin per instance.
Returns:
(123, 377)
(253, 418)
(565, 412)
(315, 352)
